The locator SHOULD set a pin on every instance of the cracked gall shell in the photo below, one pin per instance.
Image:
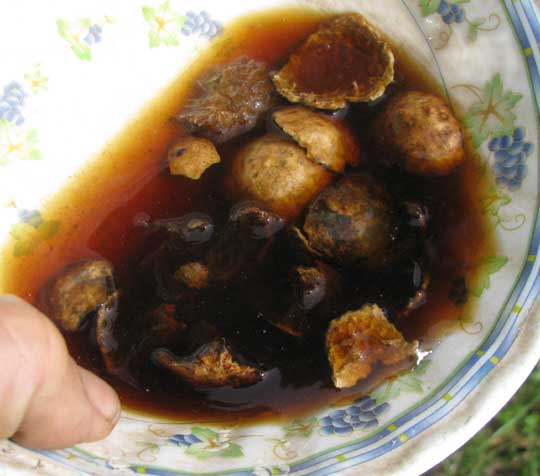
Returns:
(192, 156)
(79, 291)
(358, 340)
(326, 142)
(212, 365)
(366, 65)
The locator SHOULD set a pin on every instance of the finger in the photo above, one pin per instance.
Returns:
(47, 400)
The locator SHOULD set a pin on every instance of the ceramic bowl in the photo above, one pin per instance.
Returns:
(64, 63)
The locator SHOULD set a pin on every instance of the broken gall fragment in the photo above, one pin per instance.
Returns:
(79, 291)
(192, 156)
(347, 59)
(212, 365)
(326, 143)
(310, 285)
(194, 275)
(360, 339)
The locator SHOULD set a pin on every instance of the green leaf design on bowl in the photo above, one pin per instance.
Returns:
(74, 33)
(411, 382)
(300, 428)
(429, 6)
(492, 114)
(489, 266)
(36, 80)
(17, 143)
(165, 25)
(212, 445)
(29, 236)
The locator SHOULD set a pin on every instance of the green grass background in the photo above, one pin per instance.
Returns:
(508, 446)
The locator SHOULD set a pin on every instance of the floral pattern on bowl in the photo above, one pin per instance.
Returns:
(486, 56)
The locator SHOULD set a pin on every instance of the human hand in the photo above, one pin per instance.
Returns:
(47, 400)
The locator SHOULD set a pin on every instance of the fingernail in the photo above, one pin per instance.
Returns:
(101, 396)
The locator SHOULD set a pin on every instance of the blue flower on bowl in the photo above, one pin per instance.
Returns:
(202, 24)
(94, 34)
(184, 440)
(361, 415)
(511, 152)
(11, 103)
(451, 12)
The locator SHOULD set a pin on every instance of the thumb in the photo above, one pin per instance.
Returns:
(48, 401)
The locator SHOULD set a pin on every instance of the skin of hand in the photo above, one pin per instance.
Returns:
(47, 400)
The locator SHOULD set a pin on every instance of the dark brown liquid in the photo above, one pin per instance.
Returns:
(97, 211)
